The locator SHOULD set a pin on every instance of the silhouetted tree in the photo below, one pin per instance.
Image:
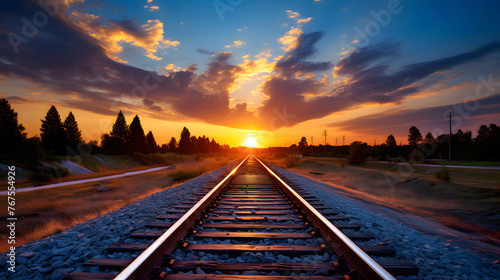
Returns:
(391, 141)
(53, 134)
(74, 134)
(487, 142)
(303, 145)
(137, 142)
(120, 129)
(193, 147)
(152, 146)
(414, 136)
(185, 141)
(172, 145)
(214, 146)
(429, 138)
(358, 153)
(11, 132)
(116, 141)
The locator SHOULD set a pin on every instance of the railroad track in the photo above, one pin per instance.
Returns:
(250, 225)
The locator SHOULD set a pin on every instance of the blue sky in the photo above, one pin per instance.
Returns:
(246, 67)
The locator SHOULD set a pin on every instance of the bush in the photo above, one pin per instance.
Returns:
(442, 174)
(40, 177)
(58, 170)
(183, 174)
(291, 161)
(358, 153)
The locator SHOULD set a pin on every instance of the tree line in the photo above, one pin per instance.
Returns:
(128, 139)
(59, 137)
(485, 146)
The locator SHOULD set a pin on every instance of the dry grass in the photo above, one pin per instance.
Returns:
(45, 212)
(461, 206)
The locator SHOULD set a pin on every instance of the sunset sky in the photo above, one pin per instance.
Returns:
(254, 72)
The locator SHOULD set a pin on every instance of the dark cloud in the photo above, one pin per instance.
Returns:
(294, 62)
(18, 99)
(63, 58)
(369, 80)
(467, 115)
(290, 99)
(373, 83)
(203, 51)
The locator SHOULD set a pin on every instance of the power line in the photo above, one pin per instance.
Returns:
(325, 133)
(449, 138)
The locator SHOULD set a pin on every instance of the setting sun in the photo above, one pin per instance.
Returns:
(251, 142)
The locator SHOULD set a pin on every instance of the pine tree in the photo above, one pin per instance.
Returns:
(429, 138)
(74, 134)
(414, 136)
(214, 146)
(11, 132)
(120, 134)
(391, 141)
(137, 141)
(53, 134)
(152, 146)
(193, 147)
(185, 141)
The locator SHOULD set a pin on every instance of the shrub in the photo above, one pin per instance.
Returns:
(58, 170)
(185, 174)
(291, 162)
(442, 174)
(40, 177)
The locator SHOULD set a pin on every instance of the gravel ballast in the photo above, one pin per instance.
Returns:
(60, 254)
(56, 256)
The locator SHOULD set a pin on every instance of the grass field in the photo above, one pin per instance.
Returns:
(469, 202)
(107, 165)
(44, 212)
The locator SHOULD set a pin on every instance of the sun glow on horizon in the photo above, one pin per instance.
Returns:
(251, 142)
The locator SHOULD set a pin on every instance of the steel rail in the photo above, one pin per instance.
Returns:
(142, 267)
(355, 258)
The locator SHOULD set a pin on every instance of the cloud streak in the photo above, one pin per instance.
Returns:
(427, 119)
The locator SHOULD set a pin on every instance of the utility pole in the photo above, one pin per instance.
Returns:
(449, 140)
(343, 140)
(325, 133)
(312, 141)
(336, 141)
(375, 142)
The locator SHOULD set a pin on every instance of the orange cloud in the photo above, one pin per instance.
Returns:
(290, 38)
(292, 14)
(304, 20)
(111, 33)
(153, 8)
(238, 43)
